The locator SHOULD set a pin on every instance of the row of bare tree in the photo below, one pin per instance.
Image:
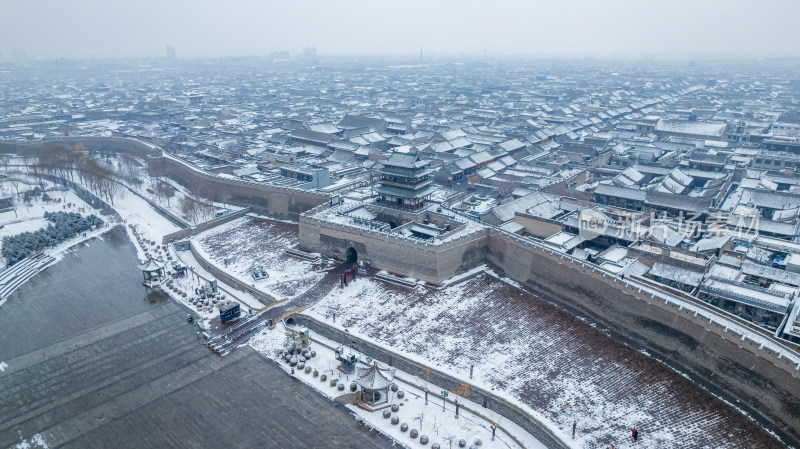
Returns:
(103, 179)
(66, 163)
(195, 210)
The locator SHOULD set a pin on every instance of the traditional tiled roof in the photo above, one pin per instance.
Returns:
(374, 378)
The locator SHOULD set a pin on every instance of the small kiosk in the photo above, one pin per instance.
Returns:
(229, 312)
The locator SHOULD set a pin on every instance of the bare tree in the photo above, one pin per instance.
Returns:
(422, 381)
(191, 209)
(99, 178)
(419, 418)
(162, 191)
(225, 198)
(14, 205)
(461, 391)
(15, 184)
(130, 170)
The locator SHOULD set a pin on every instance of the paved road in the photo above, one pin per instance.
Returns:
(94, 360)
(239, 333)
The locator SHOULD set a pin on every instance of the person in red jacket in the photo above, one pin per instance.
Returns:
(634, 433)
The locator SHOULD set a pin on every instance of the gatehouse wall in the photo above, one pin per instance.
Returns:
(397, 254)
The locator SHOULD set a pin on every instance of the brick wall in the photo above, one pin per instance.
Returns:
(387, 251)
(205, 226)
(282, 203)
(729, 364)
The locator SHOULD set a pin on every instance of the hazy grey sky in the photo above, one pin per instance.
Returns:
(604, 28)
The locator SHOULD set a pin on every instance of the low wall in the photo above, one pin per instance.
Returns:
(282, 203)
(205, 226)
(479, 396)
(732, 365)
(228, 279)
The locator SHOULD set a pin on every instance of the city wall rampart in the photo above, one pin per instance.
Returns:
(278, 202)
(205, 226)
(112, 144)
(388, 251)
(728, 359)
(228, 279)
(729, 356)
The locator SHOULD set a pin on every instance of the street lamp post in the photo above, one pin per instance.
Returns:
(444, 399)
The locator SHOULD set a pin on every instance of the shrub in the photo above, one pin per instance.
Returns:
(62, 226)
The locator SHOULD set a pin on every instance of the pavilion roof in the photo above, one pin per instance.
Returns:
(151, 265)
(374, 378)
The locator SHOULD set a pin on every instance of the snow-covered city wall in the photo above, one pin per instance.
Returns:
(276, 202)
(388, 251)
(228, 279)
(201, 227)
(110, 144)
(734, 361)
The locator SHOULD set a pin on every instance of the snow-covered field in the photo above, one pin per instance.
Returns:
(539, 357)
(246, 242)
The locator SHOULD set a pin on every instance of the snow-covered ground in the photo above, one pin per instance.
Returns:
(248, 242)
(438, 423)
(36, 441)
(173, 204)
(135, 210)
(244, 298)
(538, 357)
(32, 218)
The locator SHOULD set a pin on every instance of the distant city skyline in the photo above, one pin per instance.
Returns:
(577, 28)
